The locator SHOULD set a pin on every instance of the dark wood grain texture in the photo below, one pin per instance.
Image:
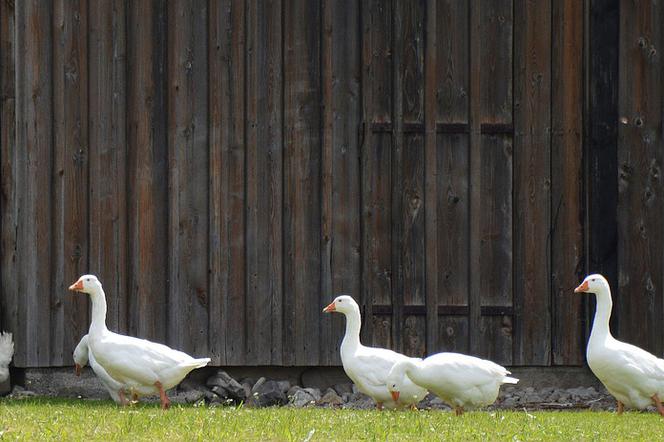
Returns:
(227, 173)
(302, 183)
(601, 152)
(567, 239)
(532, 170)
(34, 133)
(70, 176)
(147, 170)
(108, 242)
(188, 169)
(340, 179)
(640, 187)
(9, 215)
(264, 178)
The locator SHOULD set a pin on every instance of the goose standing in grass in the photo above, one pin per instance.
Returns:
(6, 354)
(114, 388)
(139, 365)
(632, 375)
(460, 380)
(368, 367)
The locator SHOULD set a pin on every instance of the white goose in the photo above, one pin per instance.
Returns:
(632, 375)
(460, 380)
(368, 367)
(6, 354)
(81, 359)
(139, 365)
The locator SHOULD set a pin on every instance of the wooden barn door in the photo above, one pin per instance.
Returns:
(471, 178)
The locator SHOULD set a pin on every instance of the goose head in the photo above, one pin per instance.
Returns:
(596, 284)
(342, 304)
(86, 284)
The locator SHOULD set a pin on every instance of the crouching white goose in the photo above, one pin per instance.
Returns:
(460, 380)
(139, 365)
(368, 367)
(6, 354)
(632, 375)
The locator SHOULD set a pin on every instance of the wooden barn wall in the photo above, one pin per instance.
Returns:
(227, 167)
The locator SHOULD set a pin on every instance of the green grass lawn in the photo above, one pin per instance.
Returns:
(61, 419)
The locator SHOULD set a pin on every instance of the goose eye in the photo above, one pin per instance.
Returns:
(341, 300)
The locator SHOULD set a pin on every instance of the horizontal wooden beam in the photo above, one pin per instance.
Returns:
(444, 310)
(444, 128)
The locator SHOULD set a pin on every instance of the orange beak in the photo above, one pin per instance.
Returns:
(582, 288)
(77, 286)
(330, 308)
(395, 395)
(77, 369)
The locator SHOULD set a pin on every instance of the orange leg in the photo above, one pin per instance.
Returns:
(658, 404)
(134, 397)
(621, 408)
(458, 411)
(379, 405)
(413, 407)
(123, 399)
(165, 402)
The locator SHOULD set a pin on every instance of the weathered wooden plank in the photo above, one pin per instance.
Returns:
(70, 176)
(397, 158)
(264, 196)
(452, 90)
(453, 334)
(9, 216)
(108, 159)
(601, 179)
(376, 217)
(34, 20)
(408, 193)
(375, 150)
(495, 242)
(452, 165)
(497, 29)
(147, 162)
(532, 198)
(640, 187)
(188, 289)
(302, 163)
(340, 179)
(430, 178)
(227, 177)
(567, 182)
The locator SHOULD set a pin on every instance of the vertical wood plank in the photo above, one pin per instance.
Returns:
(495, 246)
(430, 178)
(188, 289)
(264, 196)
(640, 187)
(70, 176)
(302, 173)
(147, 162)
(108, 158)
(340, 225)
(9, 216)
(532, 169)
(411, 191)
(376, 157)
(228, 326)
(447, 174)
(567, 238)
(34, 134)
(601, 180)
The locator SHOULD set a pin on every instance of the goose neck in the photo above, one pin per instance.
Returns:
(353, 325)
(601, 328)
(98, 299)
